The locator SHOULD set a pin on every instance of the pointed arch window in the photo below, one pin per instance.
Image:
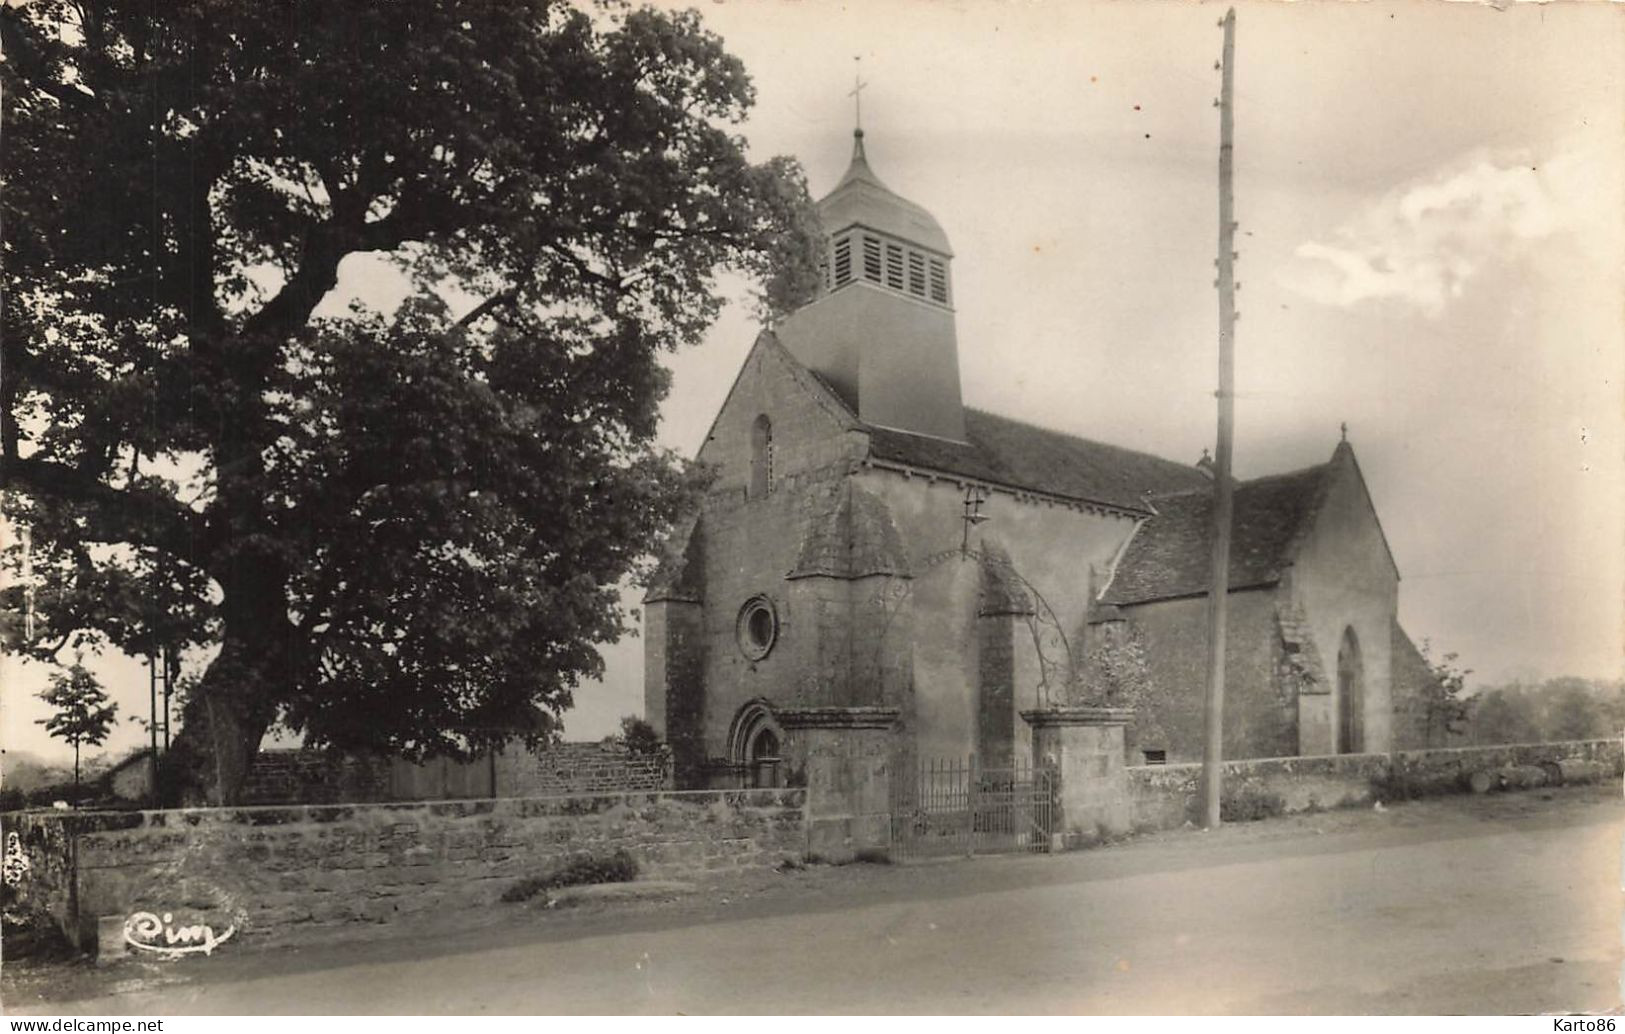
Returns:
(761, 457)
(1350, 695)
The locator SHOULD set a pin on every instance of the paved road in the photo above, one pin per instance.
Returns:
(1511, 915)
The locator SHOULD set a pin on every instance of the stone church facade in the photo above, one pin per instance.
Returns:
(875, 554)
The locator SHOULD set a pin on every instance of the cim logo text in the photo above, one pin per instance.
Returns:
(147, 932)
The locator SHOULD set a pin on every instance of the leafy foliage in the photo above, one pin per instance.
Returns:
(1446, 708)
(1118, 666)
(401, 531)
(638, 736)
(83, 715)
(1247, 803)
(1565, 708)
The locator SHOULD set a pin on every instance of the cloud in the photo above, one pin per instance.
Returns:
(1423, 243)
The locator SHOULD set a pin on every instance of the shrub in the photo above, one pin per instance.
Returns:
(619, 867)
(1395, 785)
(1248, 804)
(30, 936)
(638, 736)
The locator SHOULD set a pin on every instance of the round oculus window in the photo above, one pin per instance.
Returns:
(758, 627)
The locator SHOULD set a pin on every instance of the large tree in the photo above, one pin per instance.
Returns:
(400, 530)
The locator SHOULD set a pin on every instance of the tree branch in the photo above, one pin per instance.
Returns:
(19, 47)
(135, 515)
(496, 301)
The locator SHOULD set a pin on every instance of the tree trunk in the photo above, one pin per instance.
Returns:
(238, 697)
(224, 721)
(76, 793)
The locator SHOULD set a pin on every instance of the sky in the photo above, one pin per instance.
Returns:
(1431, 241)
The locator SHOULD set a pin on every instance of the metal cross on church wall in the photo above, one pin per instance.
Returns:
(973, 516)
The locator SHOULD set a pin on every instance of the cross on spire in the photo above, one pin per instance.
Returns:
(857, 93)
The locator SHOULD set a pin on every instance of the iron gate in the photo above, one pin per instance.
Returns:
(954, 806)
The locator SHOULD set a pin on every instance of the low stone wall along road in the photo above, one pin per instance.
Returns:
(1502, 903)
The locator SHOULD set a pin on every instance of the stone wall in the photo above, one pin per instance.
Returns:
(1258, 720)
(48, 887)
(280, 873)
(297, 776)
(1413, 678)
(1083, 746)
(1165, 796)
(674, 683)
(579, 768)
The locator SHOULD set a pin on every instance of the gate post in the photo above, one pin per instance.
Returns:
(843, 755)
(1083, 747)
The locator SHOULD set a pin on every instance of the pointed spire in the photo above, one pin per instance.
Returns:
(859, 169)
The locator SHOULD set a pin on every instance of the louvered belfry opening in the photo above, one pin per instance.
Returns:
(861, 256)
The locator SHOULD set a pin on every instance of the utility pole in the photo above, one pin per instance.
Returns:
(171, 669)
(1223, 490)
(152, 685)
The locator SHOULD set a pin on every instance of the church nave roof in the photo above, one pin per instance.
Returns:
(1014, 454)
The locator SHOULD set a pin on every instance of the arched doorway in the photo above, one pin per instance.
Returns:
(755, 746)
(764, 758)
(1350, 695)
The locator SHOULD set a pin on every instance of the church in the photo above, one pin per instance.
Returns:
(870, 545)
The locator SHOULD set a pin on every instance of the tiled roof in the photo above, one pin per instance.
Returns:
(681, 573)
(1411, 669)
(1171, 553)
(849, 534)
(1017, 455)
(861, 198)
(1002, 590)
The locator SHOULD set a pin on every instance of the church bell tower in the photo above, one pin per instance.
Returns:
(881, 332)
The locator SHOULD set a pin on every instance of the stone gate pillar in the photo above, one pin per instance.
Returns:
(843, 755)
(1083, 746)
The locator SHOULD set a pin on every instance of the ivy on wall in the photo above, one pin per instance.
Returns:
(1119, 675)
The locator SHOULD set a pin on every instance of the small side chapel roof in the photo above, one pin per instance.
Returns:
(1170, 555)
